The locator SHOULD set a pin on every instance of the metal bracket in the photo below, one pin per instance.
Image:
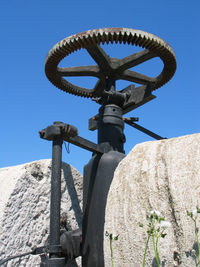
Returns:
(138, 96)
(69, 133)
(58, 129)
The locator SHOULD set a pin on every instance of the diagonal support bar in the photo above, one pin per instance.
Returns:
(142, 129)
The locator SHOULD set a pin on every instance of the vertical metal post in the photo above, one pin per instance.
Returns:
(55, 193)
(55, 258)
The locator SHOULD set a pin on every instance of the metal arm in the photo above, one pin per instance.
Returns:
(130, 122)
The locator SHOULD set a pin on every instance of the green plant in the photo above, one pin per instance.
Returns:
(111, 238)
(193, 215)
(155, 229)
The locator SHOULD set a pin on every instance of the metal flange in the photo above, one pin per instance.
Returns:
(119, 69)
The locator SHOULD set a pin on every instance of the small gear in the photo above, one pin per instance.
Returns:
(118, 69)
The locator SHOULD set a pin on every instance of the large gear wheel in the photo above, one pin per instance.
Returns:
(106, 67)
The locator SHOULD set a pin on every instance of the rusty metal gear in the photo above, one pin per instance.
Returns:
(106, 66)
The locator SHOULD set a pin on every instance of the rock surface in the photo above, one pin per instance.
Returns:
(160, 175)
(24, 207)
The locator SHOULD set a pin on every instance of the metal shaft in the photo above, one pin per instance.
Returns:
(55, 194)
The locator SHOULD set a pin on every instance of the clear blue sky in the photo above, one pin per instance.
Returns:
(29, 102)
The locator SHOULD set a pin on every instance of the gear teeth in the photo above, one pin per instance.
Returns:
(57, 51)
(134, 39)
(125, 38)
(90, 40)
(67, 45)
(111, 38)
(143, 42)
(137, 42)
(116, 37)
(103, 38)
(76, 44)
(95, 38)
(81, 42)
(107, 38)
(99, 38)
(146, 43)
(150, 46)
(86, 41)
(155, 45)
(140, 41)
(129, 38)
(63, 50)
(120, 37)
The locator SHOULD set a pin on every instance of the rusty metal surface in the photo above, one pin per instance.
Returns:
(106, 66)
